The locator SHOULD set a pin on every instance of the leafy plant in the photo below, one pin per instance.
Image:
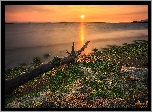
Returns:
(37, 61)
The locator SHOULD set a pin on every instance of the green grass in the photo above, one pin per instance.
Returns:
(97, 74)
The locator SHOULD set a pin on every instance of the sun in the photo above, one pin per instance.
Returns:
(82, 16)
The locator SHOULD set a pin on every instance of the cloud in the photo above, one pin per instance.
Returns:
(134, 13)
(28, 8)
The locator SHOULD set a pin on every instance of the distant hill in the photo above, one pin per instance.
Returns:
(141, 21)
(8, 23)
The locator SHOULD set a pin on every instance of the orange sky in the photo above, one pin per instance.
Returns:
(72, 13)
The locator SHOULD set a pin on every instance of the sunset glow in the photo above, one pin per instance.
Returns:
(75, 13)
(82, 16)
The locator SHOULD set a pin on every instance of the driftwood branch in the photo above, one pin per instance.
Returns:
(67, 52)
(12, 84)
(73, 52)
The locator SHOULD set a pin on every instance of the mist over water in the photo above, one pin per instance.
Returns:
(25, 41)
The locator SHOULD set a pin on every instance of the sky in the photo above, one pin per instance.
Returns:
(73, 13)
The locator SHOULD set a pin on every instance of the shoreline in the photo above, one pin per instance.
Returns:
(25, 55)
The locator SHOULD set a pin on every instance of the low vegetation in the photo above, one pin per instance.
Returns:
(97, 80)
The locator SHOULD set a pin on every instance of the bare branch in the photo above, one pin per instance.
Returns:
(73, 52)
(67, 52)
(82, 49)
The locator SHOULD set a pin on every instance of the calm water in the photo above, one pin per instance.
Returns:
(25, 41)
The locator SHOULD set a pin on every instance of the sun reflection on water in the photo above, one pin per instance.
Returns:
(82, 33)
(82, 37)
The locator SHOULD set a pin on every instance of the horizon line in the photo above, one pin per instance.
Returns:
(142, 20)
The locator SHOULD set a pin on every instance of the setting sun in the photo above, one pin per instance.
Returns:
(82, 16)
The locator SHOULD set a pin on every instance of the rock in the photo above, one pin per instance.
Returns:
(132, 78)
